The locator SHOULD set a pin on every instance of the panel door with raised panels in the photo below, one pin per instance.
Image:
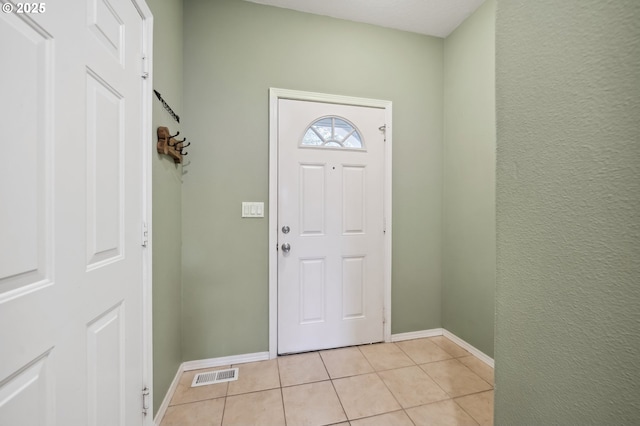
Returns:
(330, 225)
(71, 213)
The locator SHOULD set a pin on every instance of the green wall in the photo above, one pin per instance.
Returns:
(167, 200)
(468, 233)
(568, 212)
(234, 51)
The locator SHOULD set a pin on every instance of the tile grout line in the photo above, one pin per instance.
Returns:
(334, 388)
(224, 408)
(284, 409)
(382, 414)
(348, 420)
(195, 401)
(386, 386)
(435, 342)
(452, 398)
(224, 404)
(473, 372)
(326, 370)
(432, 379)
(390, 391)
(463, 409)
(453, 357)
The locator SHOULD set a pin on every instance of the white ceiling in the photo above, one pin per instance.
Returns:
(431, 17)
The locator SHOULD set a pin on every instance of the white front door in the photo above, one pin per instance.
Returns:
(71, 205)
(330, 225)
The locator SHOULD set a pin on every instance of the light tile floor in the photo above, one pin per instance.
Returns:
(429, 381)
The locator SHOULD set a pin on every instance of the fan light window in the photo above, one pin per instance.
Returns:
(332, 132)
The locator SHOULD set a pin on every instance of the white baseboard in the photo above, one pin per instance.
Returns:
(449, 335)
(200, 364)
(167, 397)
(226, 360)
(416, 335)
(477, 352)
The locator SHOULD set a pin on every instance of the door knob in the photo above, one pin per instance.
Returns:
(286, 247)
(285, 229)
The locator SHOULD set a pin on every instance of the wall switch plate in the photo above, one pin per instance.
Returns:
(252, 209)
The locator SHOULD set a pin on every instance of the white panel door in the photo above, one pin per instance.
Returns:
(330, 225)
(71, 214)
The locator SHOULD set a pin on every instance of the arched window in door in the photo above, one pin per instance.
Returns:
(332, 132)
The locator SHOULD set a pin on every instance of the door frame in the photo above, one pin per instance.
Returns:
(146, 73)
(275, 95)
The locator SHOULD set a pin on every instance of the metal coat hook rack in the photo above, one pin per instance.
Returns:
(168, 145)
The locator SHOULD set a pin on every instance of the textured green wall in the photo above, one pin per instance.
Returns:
(167, 200)
(235, 51)
(468, 233)
(568, 212)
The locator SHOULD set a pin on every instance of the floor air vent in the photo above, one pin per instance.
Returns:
(212, 377)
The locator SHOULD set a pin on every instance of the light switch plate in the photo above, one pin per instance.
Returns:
(252, 209)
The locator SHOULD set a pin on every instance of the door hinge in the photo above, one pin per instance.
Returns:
(145, 234)
(384, 225)
(383, 129)
(145, 400)
(145, 67)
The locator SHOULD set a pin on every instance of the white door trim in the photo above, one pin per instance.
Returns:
(274, 95)
(147, 179)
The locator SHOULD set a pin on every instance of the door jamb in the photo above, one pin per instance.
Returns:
(276, 94)
(147, 187)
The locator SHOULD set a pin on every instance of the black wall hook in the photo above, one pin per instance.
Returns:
(167, 107)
